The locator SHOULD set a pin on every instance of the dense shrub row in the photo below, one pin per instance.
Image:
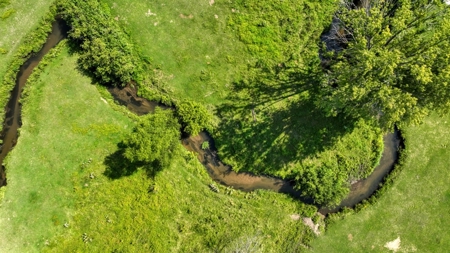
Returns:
(105, 50)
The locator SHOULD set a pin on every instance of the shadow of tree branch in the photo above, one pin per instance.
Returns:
(272, 123)
(117, 165)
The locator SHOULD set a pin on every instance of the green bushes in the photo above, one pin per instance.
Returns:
(105, 50)
(194, 117)
(154, 139)
(326, 175)
(384, 187)
(205, 145)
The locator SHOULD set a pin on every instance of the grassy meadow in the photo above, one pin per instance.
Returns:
(414, 209)
(187, 44)
(65, 195)
(60, 199)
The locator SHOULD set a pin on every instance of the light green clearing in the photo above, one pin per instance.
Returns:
(196, 56)
(416, 208)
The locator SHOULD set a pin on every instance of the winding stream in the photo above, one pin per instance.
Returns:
(218, 171)
(12, 120)
(223, 173)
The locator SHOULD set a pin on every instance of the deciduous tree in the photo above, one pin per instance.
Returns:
(154, 139)
(394, 63)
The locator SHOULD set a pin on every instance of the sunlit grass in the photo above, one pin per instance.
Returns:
(51, 148)
(196, 57)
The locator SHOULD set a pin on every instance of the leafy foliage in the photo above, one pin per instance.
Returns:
(205, 145)
(327, 175)
(394, 64)
(154, 139)
(194, 117)
(105, 49)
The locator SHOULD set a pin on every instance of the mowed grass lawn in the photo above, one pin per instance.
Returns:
(416, 209)
(187, 42)
(63, 127)
(26, 16)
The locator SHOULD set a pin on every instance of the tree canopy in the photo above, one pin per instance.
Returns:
(394, 63)
(105, 50)
(154, 139)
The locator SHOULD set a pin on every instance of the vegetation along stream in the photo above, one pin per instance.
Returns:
(218, 171)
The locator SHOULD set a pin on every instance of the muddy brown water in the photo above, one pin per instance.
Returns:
(12, 111)
(364, 188)
(218, 171)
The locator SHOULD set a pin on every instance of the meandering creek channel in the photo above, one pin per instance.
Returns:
(13, 110)
(218, 171)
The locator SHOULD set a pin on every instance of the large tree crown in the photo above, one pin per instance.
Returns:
(393, 62)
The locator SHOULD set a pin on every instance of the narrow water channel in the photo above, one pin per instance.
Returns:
(12, 120)
(218, 171)
(223, 173)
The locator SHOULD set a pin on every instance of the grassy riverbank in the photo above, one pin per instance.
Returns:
(23, 19)
(193, 54)
(65, 123)
(56, 176)
(415, 208)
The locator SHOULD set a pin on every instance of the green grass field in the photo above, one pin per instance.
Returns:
(195, 57)
(68, 131)
(61, 198)
(415, 209)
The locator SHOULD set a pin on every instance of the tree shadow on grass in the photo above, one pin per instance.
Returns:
(269, 125)
(118, 166)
